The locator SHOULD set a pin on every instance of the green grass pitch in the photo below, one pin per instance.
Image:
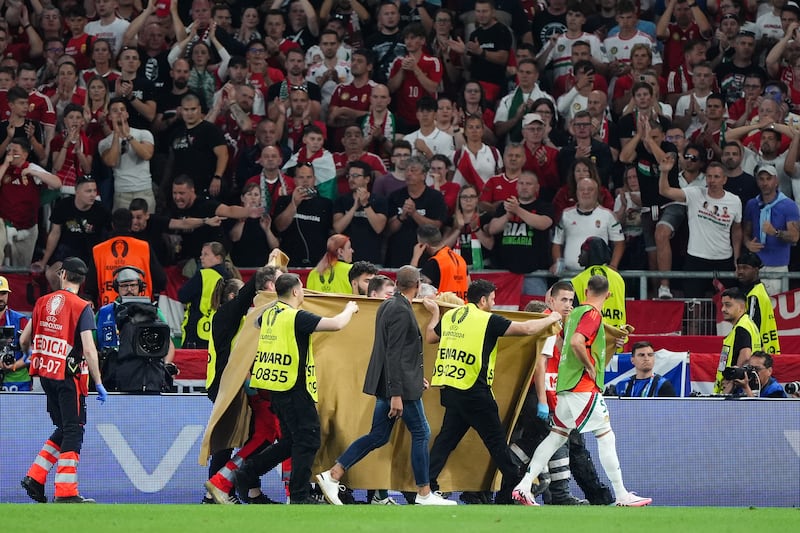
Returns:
(31, 518)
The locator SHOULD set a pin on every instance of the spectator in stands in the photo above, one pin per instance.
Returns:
(759, 307)
(360, 276)
(469, 223)
(560, 56)
(771, 226)
(440, 177)
(233, 114)
(196, 294)
(64, 90)
(743, 340)
(331, 70)
(313, 152)
(577, 98)
(40, 109)
(586, 219)
(379, 124)
(355, 150)
(204, 75)
(620, 45)
(594, 257)
(581, 51)
(745, 108)
(514, 106)
(198, 149)
(21, 186)
(331, 274)
(252, 239)
(475, 162)
(446, 270)
(521, 233)
(413, 76)
(271, 181)
(72, 149)
(77, 224)
(101, 51)
(770, 388)
(396, 179)
(690, 107)
(644, 104)
(429, 140)
(765, 149)
(278, 45)
(108, 26)
(644, 383)
(472, 102)
(303, 25)
(138, 91)
(260, 75)
(411, 207)
(730, 74)
(361, 215)
(127, 151)
(152, 46)
(197, 220)
(350, 102)
(292, 120)
(120, 249)
(641, 61)
(250, 159)
(439, 44)
(715, 230)
(501, 187)
(567, 195)
(689, 27)
(295, 77)
(304, 219)
(540, 158)
(584, 145)
(19, 124)
(628, 211)
(485, 53)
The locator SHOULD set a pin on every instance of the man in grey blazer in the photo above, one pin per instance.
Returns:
(395, 378)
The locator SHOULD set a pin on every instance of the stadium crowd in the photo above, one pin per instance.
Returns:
(517, 128)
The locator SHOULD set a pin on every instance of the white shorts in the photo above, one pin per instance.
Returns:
(584, 411)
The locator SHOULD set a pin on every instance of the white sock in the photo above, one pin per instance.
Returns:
(607, 449)
(541, 456)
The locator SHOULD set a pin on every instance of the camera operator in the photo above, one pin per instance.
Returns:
(128, 282)
(14, 374)
(741, 342)
(760, 365)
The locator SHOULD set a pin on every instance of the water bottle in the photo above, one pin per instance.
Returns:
(477, 254)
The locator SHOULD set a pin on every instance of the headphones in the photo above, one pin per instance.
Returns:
(140, 274)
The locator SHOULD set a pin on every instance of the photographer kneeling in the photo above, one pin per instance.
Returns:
(134, 339)
(758, 380)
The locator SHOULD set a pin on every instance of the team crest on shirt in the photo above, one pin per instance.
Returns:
(561, 47)
(576, 106)
(614, 50)
(345, 95)
(597, 224)
(676, 36)
(55, 304)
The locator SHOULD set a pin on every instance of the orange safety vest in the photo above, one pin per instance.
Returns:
(452, 272)
(118, 252)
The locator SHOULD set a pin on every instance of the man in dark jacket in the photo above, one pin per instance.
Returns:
(395, 378)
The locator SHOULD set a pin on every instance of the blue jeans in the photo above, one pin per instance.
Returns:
(381, 431)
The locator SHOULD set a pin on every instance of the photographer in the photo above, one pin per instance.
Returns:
(758, 372)
(125, 370)
(14, 374)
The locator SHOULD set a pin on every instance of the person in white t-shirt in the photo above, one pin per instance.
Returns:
(618, 47)
(109, 27)
(483, 161)
(429, 140)
(715, 224)
(586, 219)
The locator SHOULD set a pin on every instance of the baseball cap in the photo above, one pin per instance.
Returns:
(769, 169)
(4, 287)
(530, 118)
(75, 265)
(791, 6)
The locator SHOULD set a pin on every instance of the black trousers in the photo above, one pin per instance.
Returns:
(300, 440)
(475, 409)
(67, 408)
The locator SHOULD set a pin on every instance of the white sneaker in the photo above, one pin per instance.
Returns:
(632, 500)
(219, 496)
(433, 498)
(385, 501)
(664, 293)
(330, 487)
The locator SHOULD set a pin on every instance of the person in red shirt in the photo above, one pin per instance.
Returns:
(690, 24)
(102, 64)
(581, 51)
(354, 142)
(500, 188)
(350, 102)
(72, 150)
(540, 158)
(233, 113)
(80, 42)
(40, 108)
(412, 76)
(277, 44)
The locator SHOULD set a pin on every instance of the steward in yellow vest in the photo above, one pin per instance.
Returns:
(595, 255)
(741, 342)
(464, 367)
(759, 306)
(284, 364)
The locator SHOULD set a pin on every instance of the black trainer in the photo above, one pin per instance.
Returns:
(207, 500)
(309, 500)
(34, 489)
(73, 499)
(261, 499)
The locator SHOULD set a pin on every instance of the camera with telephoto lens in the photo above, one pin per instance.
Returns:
(732, 373)
(7, 349)
(792, 388)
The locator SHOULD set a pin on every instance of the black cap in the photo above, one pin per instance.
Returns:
(750, 259)
(75, 265)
